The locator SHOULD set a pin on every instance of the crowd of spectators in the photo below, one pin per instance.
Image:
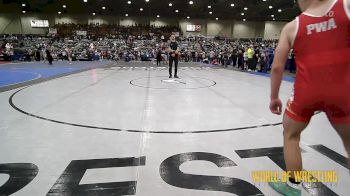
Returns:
(96, 31)
(139, 43)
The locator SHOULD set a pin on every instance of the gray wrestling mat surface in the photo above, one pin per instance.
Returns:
(130, 130)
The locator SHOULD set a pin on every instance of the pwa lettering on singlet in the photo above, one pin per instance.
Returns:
(321, 27)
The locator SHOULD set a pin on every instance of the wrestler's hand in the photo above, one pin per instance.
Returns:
(276, 106)
(173, 55)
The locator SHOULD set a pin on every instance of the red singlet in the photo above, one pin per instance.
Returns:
(322, 51)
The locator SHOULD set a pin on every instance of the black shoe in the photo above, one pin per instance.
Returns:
(170, 76)
(176, 76)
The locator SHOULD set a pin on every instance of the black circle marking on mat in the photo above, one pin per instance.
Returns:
(124, 130)
(132, 83)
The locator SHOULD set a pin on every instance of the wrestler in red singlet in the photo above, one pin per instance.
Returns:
(323, 76)
(321, 43)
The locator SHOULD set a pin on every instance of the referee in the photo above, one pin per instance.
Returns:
(173, 56)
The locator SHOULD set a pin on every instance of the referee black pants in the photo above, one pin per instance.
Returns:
(173, 60)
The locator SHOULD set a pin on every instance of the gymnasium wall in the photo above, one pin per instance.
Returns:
(273, 29)
(25, 23)
(17, 24)
(103, 20)
(74, 19)
(222, 28)
(129, 21)
(10, 24)
(159, 22)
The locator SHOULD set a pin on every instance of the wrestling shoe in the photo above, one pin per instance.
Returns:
(286, 189)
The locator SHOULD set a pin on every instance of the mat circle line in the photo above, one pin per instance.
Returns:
(13, 105)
